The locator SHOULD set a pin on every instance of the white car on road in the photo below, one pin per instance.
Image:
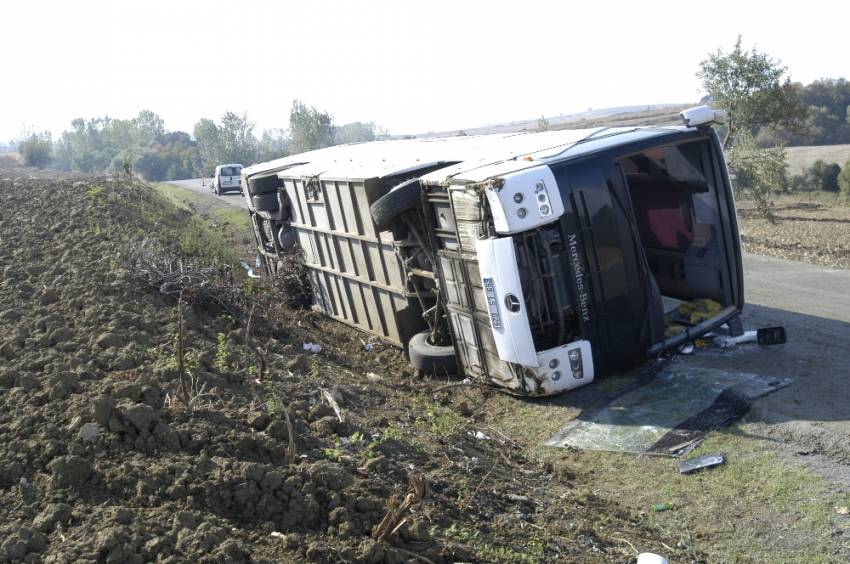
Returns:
(227, 178)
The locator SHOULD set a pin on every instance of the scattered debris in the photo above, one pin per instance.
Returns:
(395, 517)
(842, 510)
(333, 403)
(700, 462)
(766, 336)
(727, 341)
(649, 418)
(684, 448)
(313, 348)
(248, 269)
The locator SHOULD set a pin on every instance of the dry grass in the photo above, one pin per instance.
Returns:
(756, 508)
(799, 158)
(812, 228)
(752, 509)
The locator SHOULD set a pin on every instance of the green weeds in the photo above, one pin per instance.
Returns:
(442, 421)
(222, 352)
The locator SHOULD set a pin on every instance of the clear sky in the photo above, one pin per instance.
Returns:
(409, 66)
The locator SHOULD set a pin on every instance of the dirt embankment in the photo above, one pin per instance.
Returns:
(101, 458)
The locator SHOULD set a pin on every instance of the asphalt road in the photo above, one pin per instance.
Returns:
(810, 418)
(797, 287)
(203, 186)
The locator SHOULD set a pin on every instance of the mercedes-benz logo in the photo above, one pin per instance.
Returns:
(512, 303)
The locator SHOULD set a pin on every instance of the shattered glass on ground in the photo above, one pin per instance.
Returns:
(680, 404)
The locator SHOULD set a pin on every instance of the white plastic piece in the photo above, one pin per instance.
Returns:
(526, 200)
(651, 558)
(312, 348)
(248, 270)
(564, 368)
(702, 115)
(500, 280)
(725, 341)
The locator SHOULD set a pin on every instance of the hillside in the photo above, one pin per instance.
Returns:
(800, 158)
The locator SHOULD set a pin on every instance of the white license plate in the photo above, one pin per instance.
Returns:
(492, 302)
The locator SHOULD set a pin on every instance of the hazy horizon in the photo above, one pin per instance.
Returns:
(411, 68)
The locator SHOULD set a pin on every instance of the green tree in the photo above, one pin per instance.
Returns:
(148, 128)
(758, 171)
(88, 147)
(844, 178)
(309, 128)
(753, 89)
(37, 149)
(231, 141)
(209, 145)
(180, 152)
(356, 132)
(826, 101)
(274, 144)
(238, 143)
(104, 144)
(152, 166)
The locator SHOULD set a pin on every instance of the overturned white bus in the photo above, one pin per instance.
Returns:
(533, 261)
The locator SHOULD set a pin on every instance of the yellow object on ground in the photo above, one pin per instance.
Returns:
(690, 313)
(698, 311)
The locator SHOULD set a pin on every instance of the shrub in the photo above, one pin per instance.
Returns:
(844, 177)
(800, 183)
(37, 149)
(823, 176)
